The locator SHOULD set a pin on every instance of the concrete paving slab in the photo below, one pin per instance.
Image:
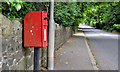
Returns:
(73, 55)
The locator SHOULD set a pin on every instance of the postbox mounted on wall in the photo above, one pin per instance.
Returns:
(35, 29)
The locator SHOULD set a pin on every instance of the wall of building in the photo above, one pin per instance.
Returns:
(13, 55)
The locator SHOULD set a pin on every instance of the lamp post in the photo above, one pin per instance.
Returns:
(51, 37)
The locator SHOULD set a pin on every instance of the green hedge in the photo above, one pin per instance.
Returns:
(103, 15)
(65, 13)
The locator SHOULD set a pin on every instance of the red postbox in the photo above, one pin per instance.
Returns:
(35, 29)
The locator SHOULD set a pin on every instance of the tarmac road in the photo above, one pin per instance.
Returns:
(104, 46)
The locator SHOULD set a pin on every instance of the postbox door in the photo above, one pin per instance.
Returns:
(32, 29)
(44, 28)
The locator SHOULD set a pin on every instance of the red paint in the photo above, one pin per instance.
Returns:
(35, 29)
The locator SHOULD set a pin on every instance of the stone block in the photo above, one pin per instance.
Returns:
(0, 31)
(13, 67)
(10, 61)
(27, 51)
(32, 55)
(5, 59)
(18, 47)
(4, 44)
(18, 55)
(1, 17)
(21, 65)
(29, 61)
(6, 26)
(5, 66)
(30, 68)
(17, 28)
(11, 46)
(0, 69)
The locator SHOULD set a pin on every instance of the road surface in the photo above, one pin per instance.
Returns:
(104, 46)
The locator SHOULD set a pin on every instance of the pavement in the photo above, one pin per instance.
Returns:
(104, 46)
(73, 55)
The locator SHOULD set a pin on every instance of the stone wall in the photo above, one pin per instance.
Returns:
(61, 35)
(13, 55)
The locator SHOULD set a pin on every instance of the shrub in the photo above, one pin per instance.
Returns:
(117, 26)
